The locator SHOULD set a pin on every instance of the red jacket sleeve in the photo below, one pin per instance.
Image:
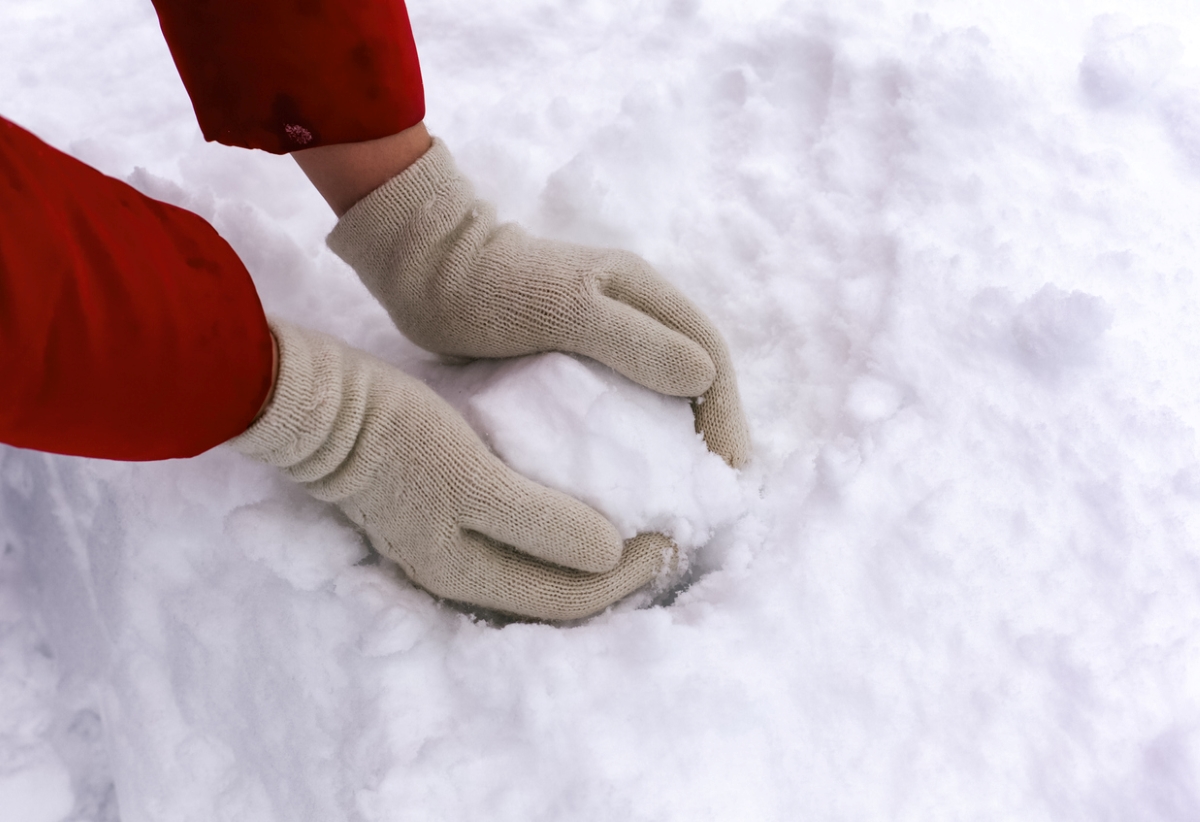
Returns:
(282, 75)
(128, 328)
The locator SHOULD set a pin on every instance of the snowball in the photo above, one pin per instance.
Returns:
(630, 453)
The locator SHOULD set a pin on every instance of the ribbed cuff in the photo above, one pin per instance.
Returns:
(367, 235)
(304, 407)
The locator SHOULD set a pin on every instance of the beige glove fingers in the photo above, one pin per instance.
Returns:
(543, 523)
(645, 350)
(492, 576)
(719, 415)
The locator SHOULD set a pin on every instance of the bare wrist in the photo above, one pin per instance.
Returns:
(344, 173)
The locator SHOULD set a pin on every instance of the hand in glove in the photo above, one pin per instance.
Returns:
(404, 466)
(456, 283)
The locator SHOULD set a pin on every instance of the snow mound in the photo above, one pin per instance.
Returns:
(628, 452)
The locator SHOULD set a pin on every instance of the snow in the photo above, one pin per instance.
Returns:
(952, 246)
(37, 794)
(630, 453)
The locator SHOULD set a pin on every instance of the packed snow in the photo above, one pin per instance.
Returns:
(630, 453)
(953, 248)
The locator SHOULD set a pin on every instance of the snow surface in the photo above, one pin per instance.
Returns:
(953, 248)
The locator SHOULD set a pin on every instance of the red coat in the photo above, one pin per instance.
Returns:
(128, 328)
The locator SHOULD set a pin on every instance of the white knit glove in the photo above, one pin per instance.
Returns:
(456, 283)
(404, 466)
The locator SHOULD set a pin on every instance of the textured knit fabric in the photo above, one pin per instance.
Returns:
(404, 466)
(128, 328)
(281, 75)
(456, 283)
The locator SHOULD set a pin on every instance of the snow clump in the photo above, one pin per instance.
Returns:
(630, 453)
